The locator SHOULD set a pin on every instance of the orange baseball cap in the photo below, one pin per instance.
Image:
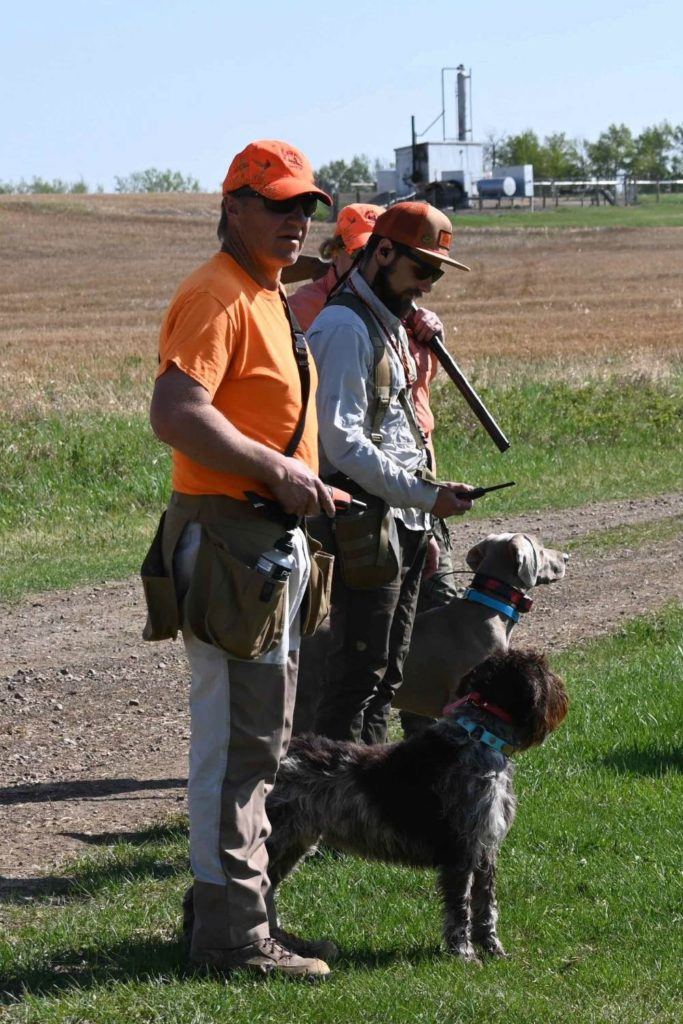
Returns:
(421, 227)
(355, 224)
(275, 170)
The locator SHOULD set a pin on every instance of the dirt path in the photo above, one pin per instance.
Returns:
(94, 725)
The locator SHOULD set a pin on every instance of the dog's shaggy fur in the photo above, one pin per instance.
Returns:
(440, 799)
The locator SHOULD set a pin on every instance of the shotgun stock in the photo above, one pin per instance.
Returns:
(306, 268)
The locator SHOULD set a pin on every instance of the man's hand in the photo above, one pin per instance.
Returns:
(432, 559)
(298, 490)
(424, 325)
(448, 503)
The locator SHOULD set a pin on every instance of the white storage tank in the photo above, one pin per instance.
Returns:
(496, 188)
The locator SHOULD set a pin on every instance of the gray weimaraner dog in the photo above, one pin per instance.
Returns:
(449, 641)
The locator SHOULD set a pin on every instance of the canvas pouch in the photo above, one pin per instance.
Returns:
(316, 605)
(231, 605)
(367, 546)
(163, 620)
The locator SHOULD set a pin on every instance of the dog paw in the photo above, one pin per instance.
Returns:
(466, 952)
(492, 946)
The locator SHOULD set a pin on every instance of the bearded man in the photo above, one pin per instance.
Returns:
(371, 445)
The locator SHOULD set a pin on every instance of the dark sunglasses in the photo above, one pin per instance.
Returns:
(424, 269)
(307, 201)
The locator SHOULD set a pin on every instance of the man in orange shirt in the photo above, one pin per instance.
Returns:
(228, 400)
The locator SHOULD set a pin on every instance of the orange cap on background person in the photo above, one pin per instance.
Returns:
(274, 169)
(421, 227)
(356, 223)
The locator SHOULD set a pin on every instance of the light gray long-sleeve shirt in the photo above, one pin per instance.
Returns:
(345, 361)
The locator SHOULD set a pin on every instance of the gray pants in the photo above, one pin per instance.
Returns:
(435, 591)
(241, 720)
(371, 632)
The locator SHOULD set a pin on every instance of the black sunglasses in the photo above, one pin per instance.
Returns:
(424, 270)
(307, 201)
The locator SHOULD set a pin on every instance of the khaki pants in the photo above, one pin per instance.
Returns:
(241, 720)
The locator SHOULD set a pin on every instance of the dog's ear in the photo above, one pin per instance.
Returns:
(475, 556)
(525, 557)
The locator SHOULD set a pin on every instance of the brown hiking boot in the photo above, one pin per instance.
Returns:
(263, 957)
(322, 949)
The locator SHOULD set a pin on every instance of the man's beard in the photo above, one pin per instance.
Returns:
(398, 303)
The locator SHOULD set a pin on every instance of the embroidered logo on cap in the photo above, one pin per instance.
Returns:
(445, 239)
(292, 159)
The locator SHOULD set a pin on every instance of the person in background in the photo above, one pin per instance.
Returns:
(353, 229)
(379, 455)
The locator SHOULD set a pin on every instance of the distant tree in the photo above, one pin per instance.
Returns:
(562, 158)
(40, 186)
(613, 151)
(338, 176)
(493, 141)
(154, 180)
(655, 151)
(524, 148)
(677, 152)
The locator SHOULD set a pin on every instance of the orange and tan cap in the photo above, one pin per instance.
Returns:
(275, 170)
(421, 227)
(356, 223)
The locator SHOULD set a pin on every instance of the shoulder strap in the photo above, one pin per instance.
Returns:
(382, 366)
(300, 349)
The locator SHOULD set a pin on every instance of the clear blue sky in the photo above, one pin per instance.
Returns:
(107, 87)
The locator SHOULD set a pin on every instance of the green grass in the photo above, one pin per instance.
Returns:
(589, 891)
(634, 535)
(646, 214)
(80, 495)
(570, 444)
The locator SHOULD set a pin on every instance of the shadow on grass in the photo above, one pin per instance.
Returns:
(82, 969)
(142, 961)
(366, 959)
(651, 761)
(86, 879)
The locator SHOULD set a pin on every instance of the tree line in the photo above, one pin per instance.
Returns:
(656, 153)
(149, 180)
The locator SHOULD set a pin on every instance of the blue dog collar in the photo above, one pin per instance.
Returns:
(491, 602)
(495, 742)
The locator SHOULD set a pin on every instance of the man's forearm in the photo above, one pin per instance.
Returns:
(355, 456)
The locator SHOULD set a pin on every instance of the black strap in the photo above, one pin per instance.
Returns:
(300, 349)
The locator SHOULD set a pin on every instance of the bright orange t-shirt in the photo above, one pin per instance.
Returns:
(232, 336)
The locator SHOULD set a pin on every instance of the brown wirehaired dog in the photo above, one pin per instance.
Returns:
(442, 799)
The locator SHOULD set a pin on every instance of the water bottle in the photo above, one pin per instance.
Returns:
(276, 564)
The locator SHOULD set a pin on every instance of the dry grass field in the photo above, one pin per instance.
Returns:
(84, 281)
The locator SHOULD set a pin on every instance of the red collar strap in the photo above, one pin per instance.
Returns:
(496, 588)
(479, 702)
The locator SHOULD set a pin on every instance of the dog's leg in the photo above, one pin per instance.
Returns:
(484, 907)
(455, 884)
(284, 853)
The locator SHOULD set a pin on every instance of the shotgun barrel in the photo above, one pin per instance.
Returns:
(469, 394)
